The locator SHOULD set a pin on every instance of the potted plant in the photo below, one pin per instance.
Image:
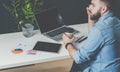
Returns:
(23, 10)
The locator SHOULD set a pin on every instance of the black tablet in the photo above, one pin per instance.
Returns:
(47, 46)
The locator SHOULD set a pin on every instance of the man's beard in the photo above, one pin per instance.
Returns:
(95, 16)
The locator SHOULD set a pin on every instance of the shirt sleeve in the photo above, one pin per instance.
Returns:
(91, 47)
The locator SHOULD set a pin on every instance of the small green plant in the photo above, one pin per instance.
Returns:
(23, 10)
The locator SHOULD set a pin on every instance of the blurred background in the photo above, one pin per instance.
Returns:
(14, 13)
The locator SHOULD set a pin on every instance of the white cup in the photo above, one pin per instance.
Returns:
(70, 35)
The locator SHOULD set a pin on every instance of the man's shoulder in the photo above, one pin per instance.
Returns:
(111, 21)
(107, 22)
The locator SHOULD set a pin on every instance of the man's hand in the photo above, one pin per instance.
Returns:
(66, 38)
(90, 22)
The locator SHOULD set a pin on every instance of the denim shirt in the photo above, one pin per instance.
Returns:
(102, 48)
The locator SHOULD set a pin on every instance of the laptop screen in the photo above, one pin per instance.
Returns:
(48, 20)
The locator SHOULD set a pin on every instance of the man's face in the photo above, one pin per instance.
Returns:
(95, 9)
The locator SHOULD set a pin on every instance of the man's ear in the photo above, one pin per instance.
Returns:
(104, 9)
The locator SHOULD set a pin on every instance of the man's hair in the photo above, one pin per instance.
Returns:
(113, 6)
(110, 4)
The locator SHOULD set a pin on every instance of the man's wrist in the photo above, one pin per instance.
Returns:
(68, 45)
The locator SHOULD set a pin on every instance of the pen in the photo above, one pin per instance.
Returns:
(79, 39)
(82, 39)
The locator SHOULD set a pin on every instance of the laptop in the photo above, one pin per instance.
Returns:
(51, 24)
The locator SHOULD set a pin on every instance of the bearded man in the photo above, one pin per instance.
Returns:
(101, 50)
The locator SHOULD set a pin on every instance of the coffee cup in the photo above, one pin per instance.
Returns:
(69, 35)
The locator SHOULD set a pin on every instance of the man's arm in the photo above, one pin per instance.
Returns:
(90, 48)
(71, 49)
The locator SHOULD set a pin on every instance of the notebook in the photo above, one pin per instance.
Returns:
(46, 46)
(51, 24)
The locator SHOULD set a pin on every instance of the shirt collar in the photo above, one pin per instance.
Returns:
(102, 18)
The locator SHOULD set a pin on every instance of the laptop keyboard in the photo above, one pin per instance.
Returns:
(60, 31)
